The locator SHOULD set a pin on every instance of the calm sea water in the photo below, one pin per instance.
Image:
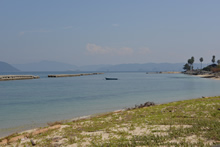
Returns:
(26, 104)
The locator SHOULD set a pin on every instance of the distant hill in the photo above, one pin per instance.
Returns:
(92, 67)
(58, 66)
(5, 67)
(146, 67)
(46, 66)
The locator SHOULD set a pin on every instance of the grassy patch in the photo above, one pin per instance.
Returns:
(184, 123)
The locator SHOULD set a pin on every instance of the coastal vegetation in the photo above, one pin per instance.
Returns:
(212, 70)
(201, 60)
(193, 122)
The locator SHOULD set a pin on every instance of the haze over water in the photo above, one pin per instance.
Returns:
(26, 104)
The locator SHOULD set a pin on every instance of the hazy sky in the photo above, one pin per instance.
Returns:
(84, 32)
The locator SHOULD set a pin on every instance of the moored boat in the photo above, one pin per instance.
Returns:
(111, 78)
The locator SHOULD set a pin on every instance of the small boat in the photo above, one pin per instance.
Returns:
(111, 78)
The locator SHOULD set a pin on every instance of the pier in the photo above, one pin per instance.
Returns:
(17, 77)
(72, 75)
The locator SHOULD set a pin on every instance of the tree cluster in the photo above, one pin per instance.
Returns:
(189, 65)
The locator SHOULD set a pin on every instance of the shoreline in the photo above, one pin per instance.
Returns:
(33, 127)
(204, 74)
(24, 135)
(209, 77)
(80, 118)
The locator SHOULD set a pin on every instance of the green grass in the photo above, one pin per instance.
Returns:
(184, 123)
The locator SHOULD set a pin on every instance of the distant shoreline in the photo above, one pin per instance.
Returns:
(209, 76)
(204, 74)
(164, 72)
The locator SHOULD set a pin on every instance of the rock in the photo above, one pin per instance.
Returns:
(33, 142)
(56, 139)
(147, 104)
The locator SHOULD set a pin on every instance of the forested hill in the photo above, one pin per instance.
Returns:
(5, 67)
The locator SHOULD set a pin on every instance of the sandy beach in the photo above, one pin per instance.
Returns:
(209, 76)
(190, 122)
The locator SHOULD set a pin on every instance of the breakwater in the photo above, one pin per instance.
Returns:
(72, 75)
(25, 77)
(164, 72)
(17, 77)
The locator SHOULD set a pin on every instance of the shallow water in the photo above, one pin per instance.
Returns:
(29, 103)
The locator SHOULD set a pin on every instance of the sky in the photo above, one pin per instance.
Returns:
(87, 32)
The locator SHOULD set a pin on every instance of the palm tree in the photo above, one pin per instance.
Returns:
(192, 58)
(186, 67)
(213, 59)
(201, 60)
(190, 62)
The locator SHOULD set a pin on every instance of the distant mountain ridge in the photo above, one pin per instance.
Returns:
(145, 67)
(58, 66)
(45, 66)
(5, 67)
(148, 67)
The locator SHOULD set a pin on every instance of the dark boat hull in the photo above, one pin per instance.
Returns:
(111, 78)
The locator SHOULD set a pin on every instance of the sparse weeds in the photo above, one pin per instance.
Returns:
(169, 124)
(71, 140)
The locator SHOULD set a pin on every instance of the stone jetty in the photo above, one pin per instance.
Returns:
(17, 77)
(164, 72)
(72, 75)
